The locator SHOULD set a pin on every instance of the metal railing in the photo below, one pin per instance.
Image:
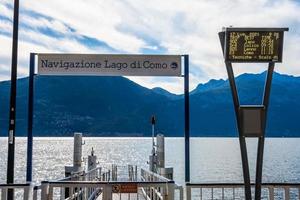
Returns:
(105, 185)
(156, 192)
(26, 190)
(74, 193)
(102, 184)
(270, 191)
(106, 190)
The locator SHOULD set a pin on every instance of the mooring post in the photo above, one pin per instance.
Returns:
(77, 160)
(160, 149)
(77, 155)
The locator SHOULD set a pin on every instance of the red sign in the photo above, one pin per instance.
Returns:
(125, 188)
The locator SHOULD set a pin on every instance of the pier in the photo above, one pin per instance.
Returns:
(112, 182)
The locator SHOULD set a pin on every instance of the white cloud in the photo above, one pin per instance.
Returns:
(180, 27)
(5, 26)
(96, 19)
(40, 22)
(4, 11)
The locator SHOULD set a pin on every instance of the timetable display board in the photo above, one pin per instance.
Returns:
(253, 44)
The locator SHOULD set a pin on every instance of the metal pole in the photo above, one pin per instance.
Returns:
(153, 133)
(261, 140)
(152, 157)
(30, 118)
(187, 118)
(242, 139)
(267, 89)
(12, 109)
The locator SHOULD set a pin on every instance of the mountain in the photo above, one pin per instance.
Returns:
(217, 111)
(63, 105)
(166, 93)
(212, 84)
(116, 106)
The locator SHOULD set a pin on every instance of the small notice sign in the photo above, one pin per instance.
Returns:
(125, 188)
(109, 64)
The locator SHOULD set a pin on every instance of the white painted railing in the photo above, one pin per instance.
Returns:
(270, 191)
(105, 185)
(156, 192)
(25, 191)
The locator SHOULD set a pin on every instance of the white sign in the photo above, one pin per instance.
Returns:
(109, 65)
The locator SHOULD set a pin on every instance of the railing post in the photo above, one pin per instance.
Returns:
(222, 192)
(180, 188)
(107, 192)
(171, 191)
(188, 192)
(3, 193)
(35, 194)
(50, 192)
(28, 192)
(151, 193)
(62, 193)
(286, 193)
(271, 193)
(45, 190)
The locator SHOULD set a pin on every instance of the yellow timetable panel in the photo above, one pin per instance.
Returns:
(253, 46)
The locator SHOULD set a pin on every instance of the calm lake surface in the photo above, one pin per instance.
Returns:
(212, 159)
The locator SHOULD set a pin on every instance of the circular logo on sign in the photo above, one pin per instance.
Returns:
(116, 188)
(174, 65)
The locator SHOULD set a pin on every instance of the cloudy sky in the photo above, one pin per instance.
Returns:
(150, 27)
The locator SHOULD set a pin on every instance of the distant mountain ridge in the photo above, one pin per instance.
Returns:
(116, 106)
(166, 93)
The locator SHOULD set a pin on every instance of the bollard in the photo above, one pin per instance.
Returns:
(77, 155)
(160, 149)
(77, 159)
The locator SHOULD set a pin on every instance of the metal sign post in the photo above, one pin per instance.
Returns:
(12, 109)
(109, 65)
(261, 139)
(30, 118)
(251, 45)
(242, 139)
(187, 118)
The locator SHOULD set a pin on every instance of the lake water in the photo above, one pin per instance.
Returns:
(212, 159)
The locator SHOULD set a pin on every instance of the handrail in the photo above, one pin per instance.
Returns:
(153, 193)
(155, 175)
(27, 187)
(240, 184)
(15, 185)
(211, 188)
(100, 183)
(166, 191)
